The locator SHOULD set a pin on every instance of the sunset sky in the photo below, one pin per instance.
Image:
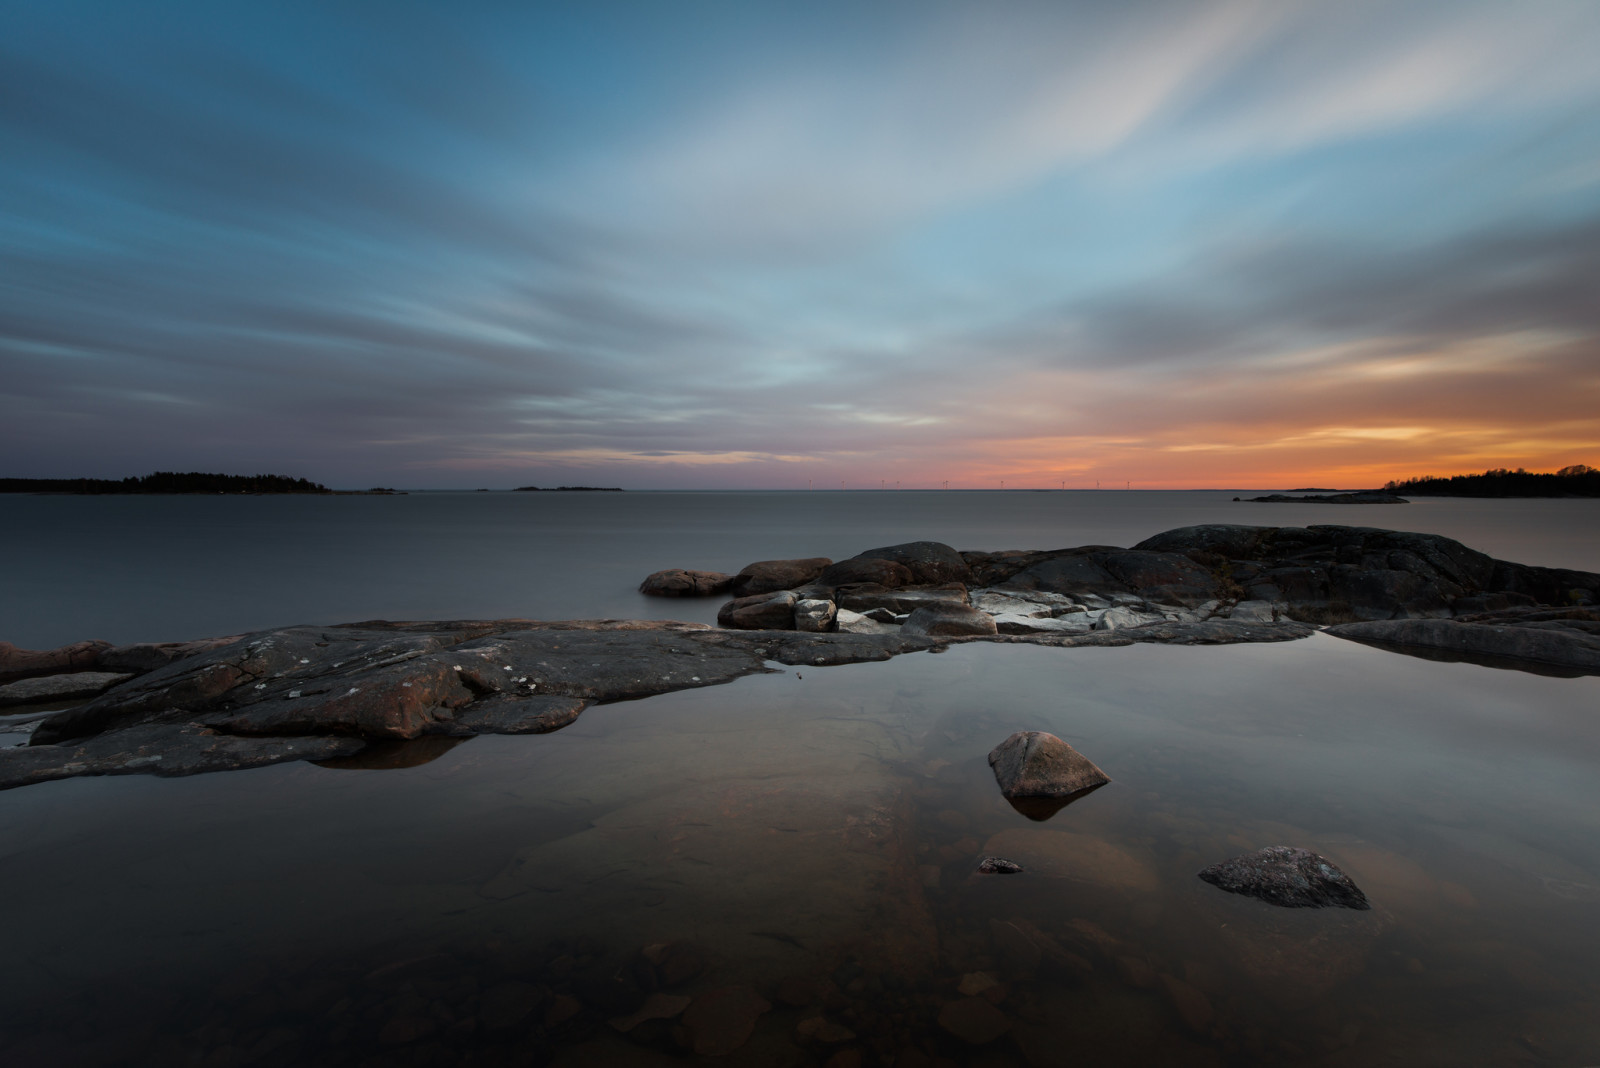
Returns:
(688, 245)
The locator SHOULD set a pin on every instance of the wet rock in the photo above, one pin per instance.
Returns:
(657, 1006)
(769, 576)
(59, 687)
(1011, 623)
(814, 615)
(947, 621)
(1193, 1007)
(848, 622)
(1082, 858)
(513, 714)
(976, 984)
(393, 755)
(901, 602)
(999, 866)
(721, 1021)
(883, 573)
(1038, 764)
(763, 611)
(676, 582)
(1289, 877)
(1577, 651)
(929, 562)
(973, 1020)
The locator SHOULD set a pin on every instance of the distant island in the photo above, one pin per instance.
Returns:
(168, 482)
(568, 489)
(1579, 480)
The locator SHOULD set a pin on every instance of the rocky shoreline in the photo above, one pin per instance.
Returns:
(327, 692)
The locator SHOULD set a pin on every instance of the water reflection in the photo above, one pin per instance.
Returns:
(811, 845)
(1042, 808)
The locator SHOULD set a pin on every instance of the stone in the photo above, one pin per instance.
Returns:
(1123, 617)
(722, 1020)
(901, 602)
(1081, 858)
(1194, 1008)
(930, 562)
(1575, 651)
(1010, 623)
(823, 1030)
(59, 687)
(514, 714)
(1038, 764)
(998, 866)
(973, 1020)
(885, 573)
(508, 1005)
(763, 611)
(657, 1006)
(848, 622)
(1253, 612)
(975, 984)
(814, 615)
(1287, 877)
(948, 620)
(769, 576)
(26, 663)
(677, 582)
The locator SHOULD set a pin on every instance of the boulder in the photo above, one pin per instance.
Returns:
(1288, 877)
(1123, 617)
(1008, 623)
(763, 611)
(58, 687)
(27, 663)
(1038, 764)
(929, 562)
(948, 620)
(676, 582)
(814, 615)
(142, 657)
(769, 576)
(886, 573)
(848, 622)
(974, 1020)
(1252, 612)
(900, 602)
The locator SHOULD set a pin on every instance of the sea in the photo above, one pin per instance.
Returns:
(783, 870)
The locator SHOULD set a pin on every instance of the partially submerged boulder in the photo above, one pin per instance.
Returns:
(930, 562)
(769, 576)
(1288, 877)
(1038, 764)
(762, 611)
(677, 582)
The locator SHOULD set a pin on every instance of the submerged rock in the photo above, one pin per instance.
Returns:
(1038, 764)
(720, 1021)
(1289, 877)
(999, 866)
(1559, 643)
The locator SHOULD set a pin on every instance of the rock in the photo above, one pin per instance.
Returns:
(763, 611)
(929, 562)
(948, 620)
(513, 714)
(973, 1020)
(59, 687)
(657, 1006)
(975, 984)
(1575, 651)
(1289, 877)
(508, 1005)
(1193, 1007)
(1037, 764)
(721, 1021)
(143, 657)
(998, 866)
(26, 663)
(1124, 618)
(814, 615)
(901, 602)
(1009, 623)
(823, 1030)
(769, 576)
(166, 750)
(885, 573)
(848, 622)
(1082, 858)
(676, 582)
(1253, 612)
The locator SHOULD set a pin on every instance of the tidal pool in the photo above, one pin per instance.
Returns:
(810, 838)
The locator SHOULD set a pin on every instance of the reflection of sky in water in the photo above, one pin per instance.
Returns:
(780, 819)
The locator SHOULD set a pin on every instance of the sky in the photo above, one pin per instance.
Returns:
(753, 245)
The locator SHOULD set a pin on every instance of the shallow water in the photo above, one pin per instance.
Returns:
(810, 834)
(821, 826)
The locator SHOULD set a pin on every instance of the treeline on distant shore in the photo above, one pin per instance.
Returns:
(568, 489)
(1579, 480)
(166, 482)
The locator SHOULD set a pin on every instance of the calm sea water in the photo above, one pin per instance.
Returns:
(810, 835)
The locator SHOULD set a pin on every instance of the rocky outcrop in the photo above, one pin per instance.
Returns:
(884, 574)
(1358, 497)
(814, 615)
(1038, 764)
(676, 582)
(901, 602)
(769, 576)
(1288, 877)
(59, 687)
(97, 656)
(1560, 641)
(763, 611)
(948, 620)
(927, 562)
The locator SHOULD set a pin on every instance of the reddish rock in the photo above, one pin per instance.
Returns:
(26, 663)
(949, 620)
(769, 576)
(676, 582)
(763, 611)
(1038, 764)
(884, 573)
(1193, 1006)
(721, 1021)
(973, 1020)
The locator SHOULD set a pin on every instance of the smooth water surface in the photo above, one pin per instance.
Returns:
(812, 834)
(127, 569)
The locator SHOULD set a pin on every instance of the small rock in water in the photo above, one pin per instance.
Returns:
(1286, 876)
(1037, 764)
(657, 1006)
(973, 1020)
(999, 866)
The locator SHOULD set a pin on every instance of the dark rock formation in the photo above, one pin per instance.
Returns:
(762, 611)
(814, 615)
(1564, 639)
(865, 599)
(676, 582)
(999, 866)
(1169, 578)
(59, 687)
(1359, 497)
(1292, 878)
(930, 562)
(769, 576)
(1037, 764)
(28, 663)
(946, 620)
(867, 570)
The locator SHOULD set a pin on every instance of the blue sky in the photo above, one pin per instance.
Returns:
(754, 245)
